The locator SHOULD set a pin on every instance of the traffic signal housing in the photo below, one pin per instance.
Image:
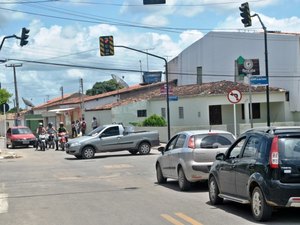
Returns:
(106, 45)
(151, 2)
(245, 14)
(24, 36)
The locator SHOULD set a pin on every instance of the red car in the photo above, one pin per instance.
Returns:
(19, 136)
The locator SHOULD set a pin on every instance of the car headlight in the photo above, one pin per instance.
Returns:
(75, 144)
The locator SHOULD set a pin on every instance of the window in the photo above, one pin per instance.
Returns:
(163, 112)
(235, 151)
(142, 113)
(199, 75)
(180, 141)
(255, 111)
(171, 144)
(112, 131)
(214, 141)
(215, 114)
(181, 112)
(251, 147)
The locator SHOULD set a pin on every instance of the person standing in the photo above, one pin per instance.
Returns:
(94, 123)
(73, 126)
(77, 125)
(83, 126)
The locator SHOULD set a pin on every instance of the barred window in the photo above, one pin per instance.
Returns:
(181, 112)
(142, 113)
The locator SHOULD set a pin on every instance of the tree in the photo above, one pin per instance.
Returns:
(103, 87)
(4, 96)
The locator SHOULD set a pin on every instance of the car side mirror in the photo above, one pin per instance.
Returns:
(220, 156)
(161, 149)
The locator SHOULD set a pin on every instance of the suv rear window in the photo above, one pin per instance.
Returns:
(291, 148)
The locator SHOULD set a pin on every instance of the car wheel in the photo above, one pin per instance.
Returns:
(88, 152)
(13, 145)
(159, 175)
(7, 145)
(144, 148)
(133, 152)
(78, 156)
(213, 191)
(184, 184)
(260, 209)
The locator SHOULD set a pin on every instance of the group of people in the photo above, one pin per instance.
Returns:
(78, 128)
(50, 129)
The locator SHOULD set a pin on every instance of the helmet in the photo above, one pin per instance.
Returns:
(50, 124)
(40, 124)
(61, 124)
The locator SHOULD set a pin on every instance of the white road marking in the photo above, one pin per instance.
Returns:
(3, 200)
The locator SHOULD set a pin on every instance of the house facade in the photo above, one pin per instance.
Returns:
(214, 57)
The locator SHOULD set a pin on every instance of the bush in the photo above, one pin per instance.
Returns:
(154, 121)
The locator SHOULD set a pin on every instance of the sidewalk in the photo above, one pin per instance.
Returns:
(7, 153)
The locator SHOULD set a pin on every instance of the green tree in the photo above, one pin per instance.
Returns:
(103, 87)
(4, 96)
(154, 121)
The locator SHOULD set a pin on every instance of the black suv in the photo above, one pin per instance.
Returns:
(261, 168)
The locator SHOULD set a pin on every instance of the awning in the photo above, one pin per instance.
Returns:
(60, 110)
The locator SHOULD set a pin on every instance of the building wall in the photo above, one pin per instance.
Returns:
(216, 52)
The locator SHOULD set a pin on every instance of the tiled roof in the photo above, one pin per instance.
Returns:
(206, 89)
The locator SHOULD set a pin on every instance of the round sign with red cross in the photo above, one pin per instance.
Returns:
(234, 96)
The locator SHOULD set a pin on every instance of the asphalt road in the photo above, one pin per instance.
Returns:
(53, 188)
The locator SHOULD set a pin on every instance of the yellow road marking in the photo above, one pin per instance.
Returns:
(188, 219)
(171, 219)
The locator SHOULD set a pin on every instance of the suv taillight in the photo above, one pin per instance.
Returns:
(191, 143)
(274, 154)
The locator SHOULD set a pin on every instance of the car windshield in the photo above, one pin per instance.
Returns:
(96, 131)
(24, 130)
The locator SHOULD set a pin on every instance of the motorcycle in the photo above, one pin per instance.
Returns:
(51, 140)
(62, 140)
(42, 142)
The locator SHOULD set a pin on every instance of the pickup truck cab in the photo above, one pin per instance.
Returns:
(110, 138)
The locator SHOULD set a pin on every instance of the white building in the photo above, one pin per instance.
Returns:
(212, 58)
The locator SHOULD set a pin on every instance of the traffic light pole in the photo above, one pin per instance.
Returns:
(167, 80)
(6, 37)
(267, 70)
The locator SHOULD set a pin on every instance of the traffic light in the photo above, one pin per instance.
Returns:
(24, 36)
(245, 14)
(106, 45)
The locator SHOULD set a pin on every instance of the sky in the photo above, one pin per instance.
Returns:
(64, 38)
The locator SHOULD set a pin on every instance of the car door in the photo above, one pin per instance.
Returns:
(245, 165)
(227, 176)
(178, 154)
(166, 157)
(108, 139)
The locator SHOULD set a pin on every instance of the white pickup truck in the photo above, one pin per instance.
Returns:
(110, 138)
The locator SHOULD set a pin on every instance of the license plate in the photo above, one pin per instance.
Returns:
(25, 142)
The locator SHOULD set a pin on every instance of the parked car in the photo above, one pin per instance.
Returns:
(188, 156)
(111, 138)
(261, 168)
(19, 136)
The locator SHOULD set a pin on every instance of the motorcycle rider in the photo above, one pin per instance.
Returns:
(40, 130)
(62, 129)
(51, 130)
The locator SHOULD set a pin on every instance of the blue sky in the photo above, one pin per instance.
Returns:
(67, 32)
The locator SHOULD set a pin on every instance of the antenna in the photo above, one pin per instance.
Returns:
(27, 102)
(120, 81)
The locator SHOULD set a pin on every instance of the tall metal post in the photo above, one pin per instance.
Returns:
(167, 80)
(267, 70)
(16, 92)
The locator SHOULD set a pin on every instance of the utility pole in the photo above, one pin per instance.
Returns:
(16, 92)
(81, 97)
(62, 94)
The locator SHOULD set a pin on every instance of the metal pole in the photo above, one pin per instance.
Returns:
(250, 101)
(267, 70)
(16, 91)
(167, 80)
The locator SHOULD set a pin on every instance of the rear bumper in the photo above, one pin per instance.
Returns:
(284, 194)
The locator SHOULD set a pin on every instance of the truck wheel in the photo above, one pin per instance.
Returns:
(184, 184)
(159, 175)
(260, 209)
(144, 148)
(88, 152)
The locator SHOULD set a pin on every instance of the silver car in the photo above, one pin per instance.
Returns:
(188, 156)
